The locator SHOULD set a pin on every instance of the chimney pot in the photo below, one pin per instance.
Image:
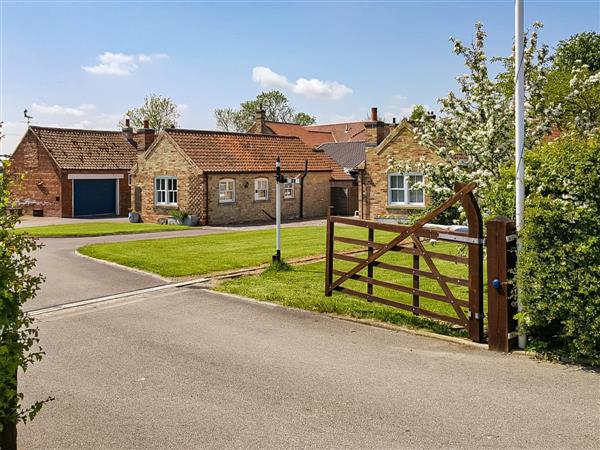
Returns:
(146, 123)
(394, 120)
(127, 123)
(374, 114)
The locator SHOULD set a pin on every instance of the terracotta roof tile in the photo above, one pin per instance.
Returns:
(342, 132)
(87, 149)
(309, 137)
(217, 151)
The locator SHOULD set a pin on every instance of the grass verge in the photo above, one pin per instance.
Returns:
(97, 229)
(302, 287)
(212, 253)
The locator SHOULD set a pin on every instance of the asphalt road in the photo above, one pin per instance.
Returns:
(71, 277)
(187, 368)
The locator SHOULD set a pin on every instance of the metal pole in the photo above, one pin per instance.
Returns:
(277, 256)
(519, 135)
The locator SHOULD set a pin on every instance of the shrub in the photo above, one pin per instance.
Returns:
(559, 265)
(179, 215)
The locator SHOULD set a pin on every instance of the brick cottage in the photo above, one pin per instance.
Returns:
(74, 173)
(228, 178)
(384, 193)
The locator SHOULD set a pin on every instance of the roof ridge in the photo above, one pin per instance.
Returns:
(230, 133)
(83, 130)
(334, 123)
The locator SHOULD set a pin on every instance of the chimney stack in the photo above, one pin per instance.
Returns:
(260, 119)
(145, 136)
(127, 131)
(374, 114)
(375, 130)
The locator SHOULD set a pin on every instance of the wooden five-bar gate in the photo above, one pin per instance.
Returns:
(467, 313)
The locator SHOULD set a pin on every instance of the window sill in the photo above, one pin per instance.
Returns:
(261, 200)
(227, 203)
(405, 206)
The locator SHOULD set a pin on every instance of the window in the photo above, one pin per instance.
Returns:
(227, 191)
(288, 190)
(261, 189)
(401, 190)
(165, 191)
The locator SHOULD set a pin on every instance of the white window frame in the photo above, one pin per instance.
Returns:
(225, 181)
(168, 189)
(289, 187)
(257, 188)
(405, 188)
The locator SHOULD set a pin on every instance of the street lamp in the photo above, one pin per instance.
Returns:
(278, 180)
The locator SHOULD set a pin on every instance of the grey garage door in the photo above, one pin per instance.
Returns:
(94, 197)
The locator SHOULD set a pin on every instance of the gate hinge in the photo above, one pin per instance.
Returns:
(476, 316)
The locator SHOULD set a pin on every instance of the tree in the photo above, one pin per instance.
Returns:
(19, 341)
(276, 107)
(304, 119)
(418, 113)
(581, 48)
(476, 125)
(161, 112)
(573, 82)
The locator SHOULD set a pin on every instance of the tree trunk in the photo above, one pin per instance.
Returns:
(8, 436)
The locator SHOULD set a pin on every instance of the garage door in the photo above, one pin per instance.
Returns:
(94, 197)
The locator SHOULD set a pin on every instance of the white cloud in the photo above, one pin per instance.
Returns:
(312, 87)
(121, 64)
(57, 110)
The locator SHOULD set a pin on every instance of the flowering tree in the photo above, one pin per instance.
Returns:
(474, 132)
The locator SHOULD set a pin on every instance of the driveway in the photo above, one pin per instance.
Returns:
(188, 368)
(71, 277)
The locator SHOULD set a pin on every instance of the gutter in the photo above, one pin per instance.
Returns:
(302, 188)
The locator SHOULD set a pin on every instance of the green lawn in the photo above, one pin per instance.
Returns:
(97, 229)
(200, 255)
(302, 287)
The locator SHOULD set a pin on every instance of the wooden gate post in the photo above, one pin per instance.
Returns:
(329, 253)
(475, 255)
(501, 262)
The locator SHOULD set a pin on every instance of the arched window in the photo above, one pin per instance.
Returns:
(227, 190)
(261, 189)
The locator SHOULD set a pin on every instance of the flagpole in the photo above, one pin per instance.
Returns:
(519, 136)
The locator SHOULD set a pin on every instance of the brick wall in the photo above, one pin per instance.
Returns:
(374, 187)
(165, 160)
(247, 209)
(41, 187)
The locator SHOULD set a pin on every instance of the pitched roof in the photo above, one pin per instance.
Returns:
(87, 149)
(342, 132)
(309, 137)
(218, 151)
(347, 154)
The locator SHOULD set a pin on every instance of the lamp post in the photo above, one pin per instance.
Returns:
(278, 181)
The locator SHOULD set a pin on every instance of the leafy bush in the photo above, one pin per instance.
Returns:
(19, 341)
(559, 265)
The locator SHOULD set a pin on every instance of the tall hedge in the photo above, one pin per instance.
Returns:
(559, 265)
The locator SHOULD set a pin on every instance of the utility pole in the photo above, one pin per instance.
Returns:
(278, 181)
(519, 136)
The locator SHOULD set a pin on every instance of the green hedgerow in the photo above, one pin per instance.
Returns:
(559, 265)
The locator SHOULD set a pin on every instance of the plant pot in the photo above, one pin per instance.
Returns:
(191, 220)
(134, 217)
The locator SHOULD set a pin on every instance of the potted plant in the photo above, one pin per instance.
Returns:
(134, 216)
(179, 216)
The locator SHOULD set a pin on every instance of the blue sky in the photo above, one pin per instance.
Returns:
(84, 64)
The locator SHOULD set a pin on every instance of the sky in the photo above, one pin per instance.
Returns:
(83, 64)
